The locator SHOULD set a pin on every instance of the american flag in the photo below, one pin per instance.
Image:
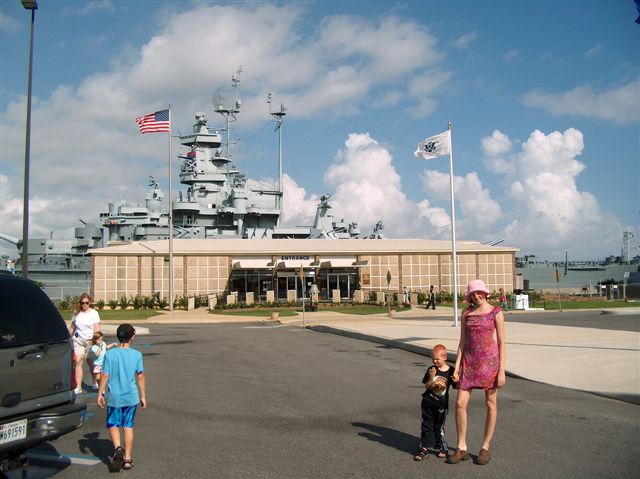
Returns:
(157, 122)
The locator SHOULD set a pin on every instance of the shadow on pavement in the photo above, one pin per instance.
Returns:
(100, 448)
(389, 437)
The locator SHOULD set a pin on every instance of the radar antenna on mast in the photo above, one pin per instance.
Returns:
(228, 109)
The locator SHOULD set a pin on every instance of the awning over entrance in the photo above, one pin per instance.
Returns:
(252, 263)
(292, 262)
(339, 262)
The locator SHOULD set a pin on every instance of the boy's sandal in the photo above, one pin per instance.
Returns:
(421, 454)
(128, 464)
(441, 454)
(118, 460)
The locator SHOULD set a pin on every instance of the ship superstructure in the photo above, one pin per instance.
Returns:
(220, 201)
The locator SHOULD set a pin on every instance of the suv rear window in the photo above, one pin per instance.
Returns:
(27, 315)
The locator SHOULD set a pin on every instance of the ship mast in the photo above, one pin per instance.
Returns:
(229, 111)
(279, 117)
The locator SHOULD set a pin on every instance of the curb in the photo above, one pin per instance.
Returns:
(423, 351)
(412, 348)
(622, 311)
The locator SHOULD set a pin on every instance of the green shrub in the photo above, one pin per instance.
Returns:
(64, 304)
(149, 301)
(137, 301)
(533, 294)
(181, 302)
(162, 302)
(422, 297)
(100, 304)
(124, 302)
(112, 304)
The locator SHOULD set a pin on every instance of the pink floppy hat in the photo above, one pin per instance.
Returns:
(476, 285)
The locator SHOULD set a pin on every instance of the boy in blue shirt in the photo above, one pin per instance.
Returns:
(122, 375)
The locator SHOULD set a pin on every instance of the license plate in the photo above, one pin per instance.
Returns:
(13, 431)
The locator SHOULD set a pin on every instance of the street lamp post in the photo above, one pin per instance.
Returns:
(33, 6)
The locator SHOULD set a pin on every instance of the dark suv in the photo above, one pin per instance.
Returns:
(36, 391)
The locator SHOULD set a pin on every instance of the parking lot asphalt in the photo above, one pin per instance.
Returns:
(278, 401)
(562, 350)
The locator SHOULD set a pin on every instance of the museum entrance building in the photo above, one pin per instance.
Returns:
(286, 269)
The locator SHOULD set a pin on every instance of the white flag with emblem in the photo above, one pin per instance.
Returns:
(434, 146)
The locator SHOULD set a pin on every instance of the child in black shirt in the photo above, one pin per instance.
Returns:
(435, 403)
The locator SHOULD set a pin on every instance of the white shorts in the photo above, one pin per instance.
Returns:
(80, 346)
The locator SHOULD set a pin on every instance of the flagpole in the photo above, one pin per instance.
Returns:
(453, 233)
(171, 297)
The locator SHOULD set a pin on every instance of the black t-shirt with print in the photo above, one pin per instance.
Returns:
(438, 391)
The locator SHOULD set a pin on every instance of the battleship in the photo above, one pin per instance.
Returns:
(586, 277)
(62, 266)
(219, 202)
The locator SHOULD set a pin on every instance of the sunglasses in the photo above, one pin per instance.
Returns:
(84, 302)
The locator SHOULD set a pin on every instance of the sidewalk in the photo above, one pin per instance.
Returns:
(603, 362)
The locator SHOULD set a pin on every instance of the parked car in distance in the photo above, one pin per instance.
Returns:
(37, 403)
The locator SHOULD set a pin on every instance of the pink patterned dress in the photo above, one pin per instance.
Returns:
(480, 358)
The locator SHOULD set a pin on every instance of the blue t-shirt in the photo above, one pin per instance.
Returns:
(122, 365)
(99, 351)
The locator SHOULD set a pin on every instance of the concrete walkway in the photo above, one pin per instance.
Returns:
(603, 362)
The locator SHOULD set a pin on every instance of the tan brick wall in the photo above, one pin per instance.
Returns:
(114, 277)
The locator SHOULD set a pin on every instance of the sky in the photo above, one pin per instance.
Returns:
(543, 97)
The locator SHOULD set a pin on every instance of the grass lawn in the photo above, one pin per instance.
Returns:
(364, 309)
(593, 304)
(124, 316)
(260, 313)
(552, 304)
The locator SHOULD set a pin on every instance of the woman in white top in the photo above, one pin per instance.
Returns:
(84, 324)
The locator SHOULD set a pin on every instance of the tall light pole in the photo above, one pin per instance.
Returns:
(33, 6)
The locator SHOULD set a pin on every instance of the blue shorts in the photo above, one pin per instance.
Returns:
(121, 416)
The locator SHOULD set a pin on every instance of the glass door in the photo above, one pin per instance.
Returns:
(345, 282)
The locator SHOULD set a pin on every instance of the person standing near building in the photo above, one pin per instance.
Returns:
(480, 365)
(503, 300)
(432, 298)
(84, 324)
(405, 295)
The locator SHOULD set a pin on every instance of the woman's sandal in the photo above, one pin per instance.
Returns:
(441, 454)
(128, 464)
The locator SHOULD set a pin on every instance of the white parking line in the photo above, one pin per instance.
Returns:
(64, 458)
(265, 327)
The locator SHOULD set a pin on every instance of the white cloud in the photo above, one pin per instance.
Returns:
(298, 209)
(368, 187)
(495, 147)
(9, 24)
(87, 131)
(464, 41)
(618, 104)
(89, 7)
(365, 187)
(595, 51)
(477, 212)
(547, 211)
(511, 55)
(498, 144)
(438, 221)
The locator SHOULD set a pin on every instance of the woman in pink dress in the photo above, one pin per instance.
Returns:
(480, 365)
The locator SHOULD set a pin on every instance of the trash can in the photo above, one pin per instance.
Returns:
(520, 301)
